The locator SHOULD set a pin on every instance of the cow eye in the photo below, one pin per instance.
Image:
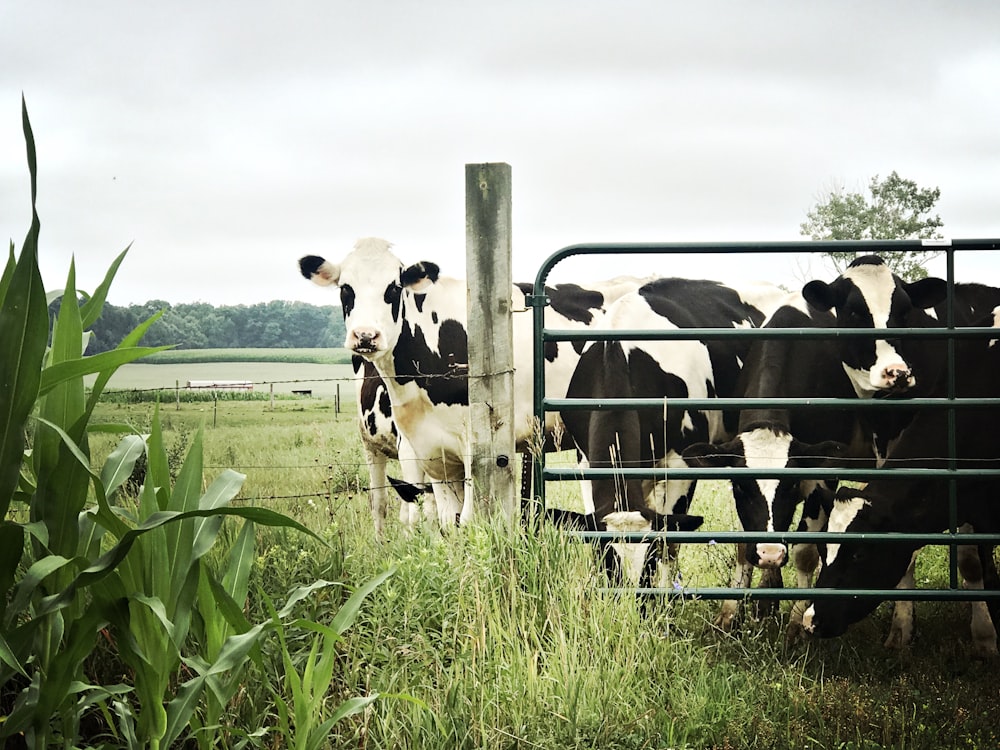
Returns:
(347, 299)
(392, 293)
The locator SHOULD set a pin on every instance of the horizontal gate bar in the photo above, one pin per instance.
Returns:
(690, 592)
(792, 537)
(715, 404)
(750, 334)
(569, 474)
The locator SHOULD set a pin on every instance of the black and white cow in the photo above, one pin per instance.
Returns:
(797, 437)
(662, 370)
(409, 323)
(920, 505)
(866, 296)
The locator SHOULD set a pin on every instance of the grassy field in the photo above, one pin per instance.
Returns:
(188, 356)
(322, 379)
(491, 637)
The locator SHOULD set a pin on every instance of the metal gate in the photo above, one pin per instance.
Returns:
(542, 404)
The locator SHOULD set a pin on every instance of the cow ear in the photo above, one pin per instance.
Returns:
(708, 456)
(817, 454)
(319, 270)
(419, 276)
(928, 292)
(819, 294)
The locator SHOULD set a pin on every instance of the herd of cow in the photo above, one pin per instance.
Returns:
(406, 328)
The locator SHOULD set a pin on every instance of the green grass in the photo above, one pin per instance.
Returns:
(506, 640)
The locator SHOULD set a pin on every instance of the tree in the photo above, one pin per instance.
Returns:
(894, 209)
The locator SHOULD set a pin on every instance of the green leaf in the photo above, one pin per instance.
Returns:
(70, 370)
(91, 310)
(9, 658)
(24, 321)
(352, 706)
(119, 464)
(349, 612)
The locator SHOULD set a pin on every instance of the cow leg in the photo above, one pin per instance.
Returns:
(984, 635)
(806, 560)
(409, 512)
(903, 613)
(378, 495)
(742, 578)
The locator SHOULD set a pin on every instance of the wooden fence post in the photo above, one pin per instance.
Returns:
(491, 341)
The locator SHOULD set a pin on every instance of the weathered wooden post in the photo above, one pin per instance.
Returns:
(491, 340)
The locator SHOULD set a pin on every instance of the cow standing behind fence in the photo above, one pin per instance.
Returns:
(409, 323)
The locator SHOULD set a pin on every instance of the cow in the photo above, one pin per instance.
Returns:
(409, 323)
(797, 437)
(663, 370)
(868, 295)
(921, 505)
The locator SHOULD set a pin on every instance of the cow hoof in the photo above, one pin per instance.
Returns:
(899, 638)
(726, 620)
(795, 634)
(984, 651)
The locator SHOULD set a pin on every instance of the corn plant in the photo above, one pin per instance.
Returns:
(73, 560)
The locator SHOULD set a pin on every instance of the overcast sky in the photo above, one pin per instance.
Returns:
(223, 140)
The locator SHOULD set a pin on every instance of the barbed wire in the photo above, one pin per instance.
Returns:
(344, 379)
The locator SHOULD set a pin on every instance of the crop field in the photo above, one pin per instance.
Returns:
(494, 637)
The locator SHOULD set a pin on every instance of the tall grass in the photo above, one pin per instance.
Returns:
(507, 640)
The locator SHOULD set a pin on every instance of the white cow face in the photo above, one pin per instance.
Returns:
(372, 281)
(868, 295)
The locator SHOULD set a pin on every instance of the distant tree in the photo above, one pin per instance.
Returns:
(893, 209)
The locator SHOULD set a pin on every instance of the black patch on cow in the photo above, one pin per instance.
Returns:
(309, 265)
(370, 423)
(418, 301)
(434, 317)
(866, 260)
(393, 295)
(346, 299)
(971, 303)
(433, 371)
(418, 272)
(574, 302)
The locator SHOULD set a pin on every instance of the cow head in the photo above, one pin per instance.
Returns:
(869, 295)
(765, 504)
(855, 564)
(372, 282)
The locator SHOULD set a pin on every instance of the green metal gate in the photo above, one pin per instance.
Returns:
(543, 474)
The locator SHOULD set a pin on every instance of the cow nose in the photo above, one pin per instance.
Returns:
(809, 620)
(771, 555)
(896, 376)
(363, 340)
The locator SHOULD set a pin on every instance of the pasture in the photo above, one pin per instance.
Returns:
(493, 637)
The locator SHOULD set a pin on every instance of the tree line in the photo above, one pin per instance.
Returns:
(199, 325)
